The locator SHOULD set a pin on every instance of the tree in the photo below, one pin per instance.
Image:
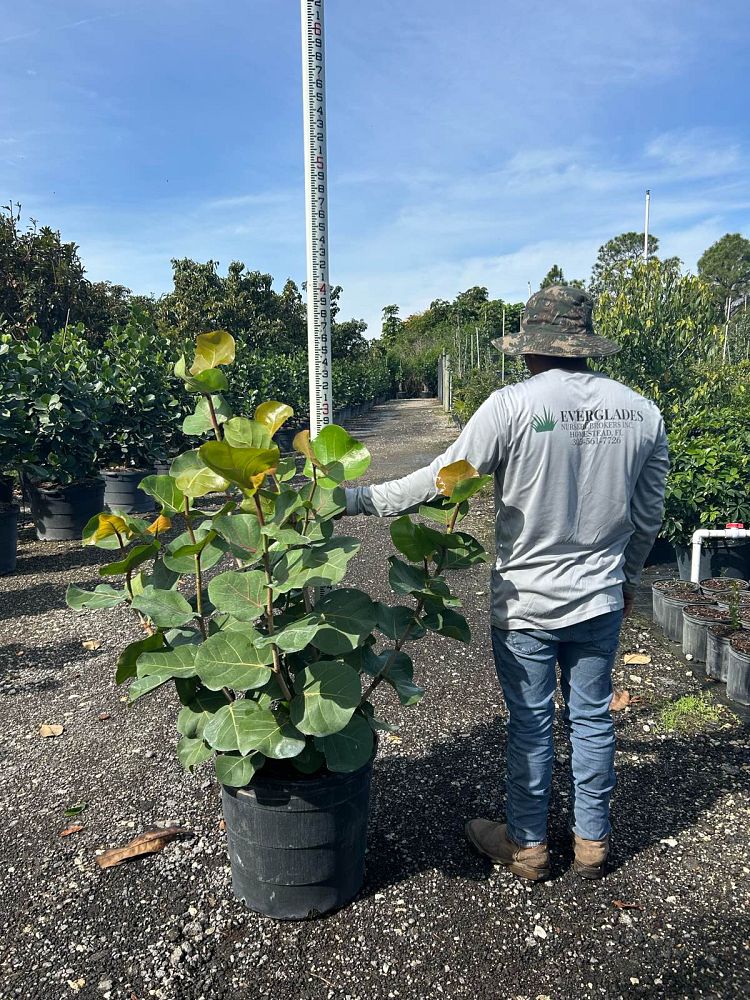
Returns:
(391, 323)
(665, 323)
(42, 279)
(622, 252)
(554, 276)
(726, 267)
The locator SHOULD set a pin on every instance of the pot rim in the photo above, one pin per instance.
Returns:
(301, 782)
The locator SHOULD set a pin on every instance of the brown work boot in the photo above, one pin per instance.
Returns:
(590, 856)
(491, 839)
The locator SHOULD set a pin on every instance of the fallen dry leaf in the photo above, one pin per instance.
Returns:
(91, 643)
(148, 842)
(636, 658)
(620, 904)
(73, 828)
(222, 824)
(103, 716)
(620, 700)
(54, 729)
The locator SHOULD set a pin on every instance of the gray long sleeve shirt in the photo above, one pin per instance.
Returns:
(580, 463)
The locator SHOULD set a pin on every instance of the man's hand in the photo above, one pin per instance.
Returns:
(629, 599)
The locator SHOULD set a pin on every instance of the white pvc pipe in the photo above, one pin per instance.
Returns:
(698, 537)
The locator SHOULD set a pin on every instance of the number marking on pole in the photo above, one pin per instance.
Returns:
(316, 201)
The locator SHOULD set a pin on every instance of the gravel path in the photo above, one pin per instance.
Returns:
(433, 919)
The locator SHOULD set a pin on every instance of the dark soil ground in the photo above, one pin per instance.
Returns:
(433, 920)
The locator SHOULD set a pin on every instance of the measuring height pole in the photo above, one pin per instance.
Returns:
(316, 204)
(645, 226)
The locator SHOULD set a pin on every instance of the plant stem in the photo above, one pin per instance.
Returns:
(218, 433)
(308, 512)
(277, 668)
(198, 575)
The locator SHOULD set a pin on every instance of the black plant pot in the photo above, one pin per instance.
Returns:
(728, 557)
(8, 537)
(6, 489)
(297, 847)
(162, 468)
(121, 491)
(60, 513)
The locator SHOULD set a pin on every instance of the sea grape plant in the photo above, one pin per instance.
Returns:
(267, 662)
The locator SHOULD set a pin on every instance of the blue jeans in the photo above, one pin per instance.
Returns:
(525, 662)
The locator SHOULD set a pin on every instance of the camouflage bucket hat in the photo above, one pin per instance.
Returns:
(557, 322)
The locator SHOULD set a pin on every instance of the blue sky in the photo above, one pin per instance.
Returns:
(472, 143)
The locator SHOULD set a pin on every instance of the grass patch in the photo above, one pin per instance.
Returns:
(690, 713)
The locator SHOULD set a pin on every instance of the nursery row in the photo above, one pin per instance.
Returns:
(711, 621)
(68, 410)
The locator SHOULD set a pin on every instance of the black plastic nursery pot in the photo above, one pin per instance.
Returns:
(738, 668)
(60, 513)
(6, 489)
(695, 620)
(722, 557)
(8, 537)
(297, 847)
(717, 651)
(121, 491)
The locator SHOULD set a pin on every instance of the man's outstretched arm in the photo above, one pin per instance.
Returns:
(482, 443)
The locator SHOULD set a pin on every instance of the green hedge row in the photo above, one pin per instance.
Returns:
(68, 410)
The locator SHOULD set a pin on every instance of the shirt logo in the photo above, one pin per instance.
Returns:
(545, 422)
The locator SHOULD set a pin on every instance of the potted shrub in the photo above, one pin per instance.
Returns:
(135, 372)
(275, 681)
(65, 413)
(709, 449)
(14, 429)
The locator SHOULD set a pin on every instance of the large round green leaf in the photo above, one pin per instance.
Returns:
(446, 621)
(331, 691)
(193, 477)
(198, 423)
(415, 541)
(165, 608)
(318, 565)
(247, 467)
(207, 382)
(180, 553)
(401, 677)
(212, 349)
(133, 557)
(236, 771)
(242, 595)
(199, 711)
(177, 662)
(349, 749)
(342, 456)
(294, 636)
(126, 663)
(192, 752)
(240, 432)
(228, 659)
(347, 617)
(101, 597)
(245, 726)
(394, 620)
(242, 531)
(165, 491)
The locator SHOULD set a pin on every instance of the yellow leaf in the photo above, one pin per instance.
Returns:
(212, 349)
(450, 475)
(273, 415)
(303, 445)
(91, 643)
(162, 523)
(636, 658)
(109, 524)
(620, 700)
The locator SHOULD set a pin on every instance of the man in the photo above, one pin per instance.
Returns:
(580, 463)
